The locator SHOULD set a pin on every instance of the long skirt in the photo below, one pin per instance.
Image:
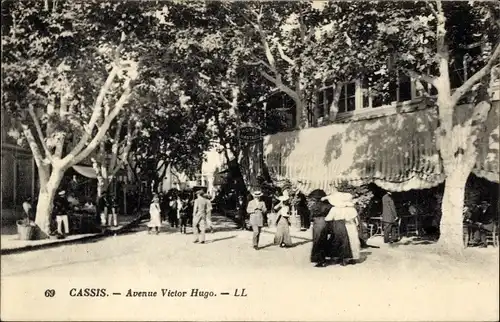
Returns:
(283, 232)
(155, 220)
(340, 241)
(354, 243)
(320, 245)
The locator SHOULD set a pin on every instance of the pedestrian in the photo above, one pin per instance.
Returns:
(483, 224)
(163, 207)
(319, 210)
(340, 248)
(172, 212)
(282, 237)
(389, 219)
(61, 209)
(112, 211)
(155, 215)
(302, 210)
(209, 212)
(200, 210)
(345, 215)
(242, 214)
(28, 209)
(257, 209)
(182, 209)
(102, 208)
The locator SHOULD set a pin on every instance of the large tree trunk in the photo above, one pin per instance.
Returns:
(46, 196)
(451, 237)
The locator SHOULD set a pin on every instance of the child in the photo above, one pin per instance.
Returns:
(155, 215)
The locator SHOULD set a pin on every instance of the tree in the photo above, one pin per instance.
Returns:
(69, 70)
(277, 35)
(112, 154)
(229, 88)
(424, 40)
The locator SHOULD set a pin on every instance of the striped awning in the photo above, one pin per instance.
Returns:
(397, 152)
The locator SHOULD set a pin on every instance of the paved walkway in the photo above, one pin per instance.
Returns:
(281, 284)
(10, 242)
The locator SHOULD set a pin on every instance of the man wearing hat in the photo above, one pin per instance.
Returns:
(201, 209)
(256, 209)
(389, 218)
(61, 208)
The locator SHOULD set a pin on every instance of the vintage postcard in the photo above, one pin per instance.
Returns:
(250, 160)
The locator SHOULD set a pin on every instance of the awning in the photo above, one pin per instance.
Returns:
(397, 152)
(88, 172)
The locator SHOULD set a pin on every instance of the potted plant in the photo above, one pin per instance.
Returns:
(26, 228)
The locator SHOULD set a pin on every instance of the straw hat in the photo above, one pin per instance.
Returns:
(284, 197)
(340, 199)
(257, 193)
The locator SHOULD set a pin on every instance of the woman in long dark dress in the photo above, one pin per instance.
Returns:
(340, 242)
(318, 210)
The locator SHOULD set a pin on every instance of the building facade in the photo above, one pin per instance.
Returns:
(18, 176)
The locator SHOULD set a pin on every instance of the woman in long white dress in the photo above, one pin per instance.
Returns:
(282, 237)
(344, 213)
(155, 215)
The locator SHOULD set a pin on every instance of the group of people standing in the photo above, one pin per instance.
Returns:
(335, 225)
(179, 211)
(335, 228)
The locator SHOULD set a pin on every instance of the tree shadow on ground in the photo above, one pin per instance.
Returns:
(300, 243)
(210, 241)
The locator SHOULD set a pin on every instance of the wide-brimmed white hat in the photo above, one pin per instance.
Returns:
(340, 199)
(284, 197)
(257, 193)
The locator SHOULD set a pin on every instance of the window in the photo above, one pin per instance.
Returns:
(325, 98)
(283, 105)
(347, 100)
(398, 89)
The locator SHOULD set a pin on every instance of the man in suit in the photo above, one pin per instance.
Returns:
(256, 209)
(389, 219)
(483, 223)
(200, 211)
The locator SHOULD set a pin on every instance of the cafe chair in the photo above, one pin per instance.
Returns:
(492, 237)
(412, 226)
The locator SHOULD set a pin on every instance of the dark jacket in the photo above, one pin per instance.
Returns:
(389, 213)
(61, 206)
(102, 204)
(318, 208)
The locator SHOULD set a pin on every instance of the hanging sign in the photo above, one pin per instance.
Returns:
(249, 133)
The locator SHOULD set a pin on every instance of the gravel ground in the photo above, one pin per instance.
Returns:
(403, 283)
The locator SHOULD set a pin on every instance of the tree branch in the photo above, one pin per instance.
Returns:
(72, 159)
(459, 92)
(426, 78)
(431, 7)
(116, 144)
(60, 145)
(277, 81)
(39, 131)
(89, 128)
(37, 155)
(284, 56)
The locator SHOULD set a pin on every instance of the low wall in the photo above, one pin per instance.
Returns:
(9, 216)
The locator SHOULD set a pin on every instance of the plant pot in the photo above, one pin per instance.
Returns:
(26, 231)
